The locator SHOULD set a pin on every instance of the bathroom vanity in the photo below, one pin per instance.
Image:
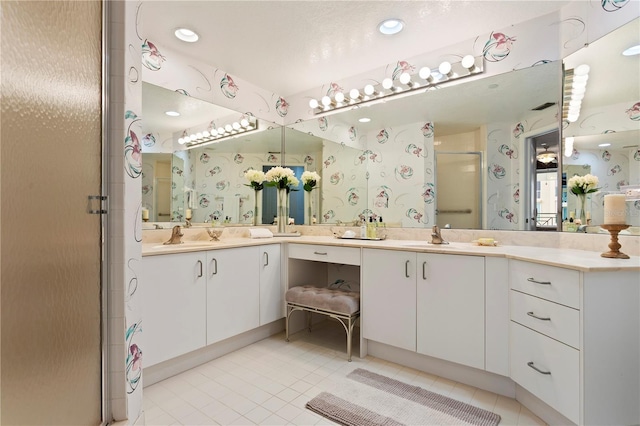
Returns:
(557, 329)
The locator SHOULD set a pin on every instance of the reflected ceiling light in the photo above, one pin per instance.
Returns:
(633, 50)
(405, 84)
(546, 156)
(602, 145)
(364, 119)
(172, 113)
(185, 34)
(339, 97)
(206, 137)
(568, 146)
(391, 26)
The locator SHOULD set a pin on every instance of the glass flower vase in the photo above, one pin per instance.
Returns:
(582, 214)
(283, 218)
(310, 213)
(255, 208)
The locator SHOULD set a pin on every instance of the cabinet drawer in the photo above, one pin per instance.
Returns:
(330, 254)
(556, 321)
(548, 282)
(560, 389)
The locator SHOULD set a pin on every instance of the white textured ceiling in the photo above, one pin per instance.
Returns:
(292, 46)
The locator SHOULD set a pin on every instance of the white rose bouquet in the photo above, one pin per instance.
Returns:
(583, 184)
(255, 178)
(310, 180)
(281, 177)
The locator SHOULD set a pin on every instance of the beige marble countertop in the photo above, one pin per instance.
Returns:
(581, 260)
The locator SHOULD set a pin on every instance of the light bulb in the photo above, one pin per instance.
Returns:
(326, 101)
(577, 96)
(445, 68)
(235, 125)
(581, 69)
(572, 118)
(205, 134)
(313, 104)
(181, 141)
(354, 94)
(468, 62)
(387, 83)
(221, 131)
(405, 78)
(579, 84)
(369, 90)
(192, 138)
(578, 91)
(214, 132)
(245, 123)
(198, 135)
(581, 78)
(575, 102)
(339, 97)
(425, 73)
(228, 128)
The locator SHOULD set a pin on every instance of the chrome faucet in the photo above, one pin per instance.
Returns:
(436, 238)
(176, 236)
(157, 226)
(187, 223)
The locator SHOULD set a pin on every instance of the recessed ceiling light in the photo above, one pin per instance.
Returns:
(364, 120)
(391, 26)
(185, 34)
(604, 144)
(633, 50)
(172, 113)
(493, 86)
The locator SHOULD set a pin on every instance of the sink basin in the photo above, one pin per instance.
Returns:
(425, 245)
(184, 244)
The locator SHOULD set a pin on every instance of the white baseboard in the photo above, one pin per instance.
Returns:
(460, 373)
(171, 367)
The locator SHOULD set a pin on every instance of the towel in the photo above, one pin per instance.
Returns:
(260, 233)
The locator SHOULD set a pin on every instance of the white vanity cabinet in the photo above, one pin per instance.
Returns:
(451, 308)
(174, 311)
(233, 292)
(271, 289)
(574, 341)
(389, 297)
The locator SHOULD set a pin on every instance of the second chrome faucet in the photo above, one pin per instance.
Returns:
(436, 238)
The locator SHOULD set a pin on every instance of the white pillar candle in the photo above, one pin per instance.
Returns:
(145, 214)
(187, 214)
(614, 209)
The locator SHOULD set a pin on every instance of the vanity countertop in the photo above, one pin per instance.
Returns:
(580, 260)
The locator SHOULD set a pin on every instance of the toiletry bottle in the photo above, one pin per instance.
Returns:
(371, 229)
(363, 230)
(381, 223)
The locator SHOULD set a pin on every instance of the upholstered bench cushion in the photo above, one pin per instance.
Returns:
(340, 301)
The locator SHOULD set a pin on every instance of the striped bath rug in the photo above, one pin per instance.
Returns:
(372, 399)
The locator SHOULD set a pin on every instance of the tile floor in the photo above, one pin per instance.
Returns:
(269, 383)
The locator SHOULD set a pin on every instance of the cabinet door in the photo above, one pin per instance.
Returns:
(173, 305)
(271, 291)
(450, 299)
(233, 292)
(389, 297)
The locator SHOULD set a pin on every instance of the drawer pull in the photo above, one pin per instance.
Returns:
(531, 314)
(320, 253)
(200, 263)
(406, 269)
(532, 280)
(530, 364)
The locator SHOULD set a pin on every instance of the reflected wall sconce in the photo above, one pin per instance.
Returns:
(206, 137)
(405, 83)
(568, 146)
(575, 86)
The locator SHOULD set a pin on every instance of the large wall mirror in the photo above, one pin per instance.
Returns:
(605, 140)
(204, 183)
(448, 156)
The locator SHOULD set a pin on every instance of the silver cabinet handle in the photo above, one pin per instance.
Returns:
(532, 280)
(215, 264)
(424, 272)
(200, 263)
(266, 258)
(406, 269)
(531, 314)
(530, 364)
(320, 253)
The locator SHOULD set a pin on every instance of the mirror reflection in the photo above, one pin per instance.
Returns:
(449, 156)
(604, 140)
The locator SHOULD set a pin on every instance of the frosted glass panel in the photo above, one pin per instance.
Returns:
(50, 245)
(459, 183)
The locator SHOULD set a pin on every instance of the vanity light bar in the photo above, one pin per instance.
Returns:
(446, 71)
(575, 84)
(245, 125)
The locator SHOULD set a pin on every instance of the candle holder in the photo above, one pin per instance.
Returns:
(145, 220)
(614, 246)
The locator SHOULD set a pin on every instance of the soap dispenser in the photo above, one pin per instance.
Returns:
(371, 229)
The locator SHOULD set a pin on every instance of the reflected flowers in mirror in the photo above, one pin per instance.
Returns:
(310, 180)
